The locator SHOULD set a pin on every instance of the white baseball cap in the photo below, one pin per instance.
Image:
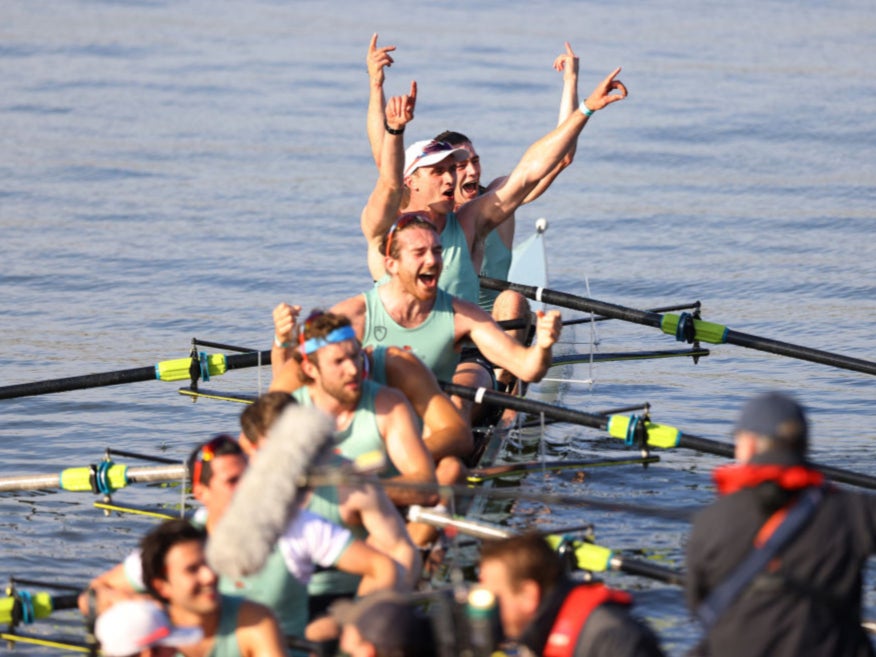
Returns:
(427, 152)
(128, 627)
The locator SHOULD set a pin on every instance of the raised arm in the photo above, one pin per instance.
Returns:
(285, 322)
(378, 59)
(383, 205)
(490, 209)
(527, 363)
(567, 64)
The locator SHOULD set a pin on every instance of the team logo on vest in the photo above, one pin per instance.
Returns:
(379, 333)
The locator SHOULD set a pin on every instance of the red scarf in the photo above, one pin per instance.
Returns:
(732, 478)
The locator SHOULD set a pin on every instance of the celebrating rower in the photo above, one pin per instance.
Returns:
(494, 252)
(426, 172)
(411, 310)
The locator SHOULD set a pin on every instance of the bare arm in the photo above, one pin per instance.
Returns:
(377, 60)
(445, 431)
(285, 323)
(528, 363)
(385, 527)
(567, 64)
(490, 209)
(383, 205)
(405, 449)
(378, 571)
(258, 632)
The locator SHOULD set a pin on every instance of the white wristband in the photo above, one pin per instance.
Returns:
(586, 111)
(282, 345)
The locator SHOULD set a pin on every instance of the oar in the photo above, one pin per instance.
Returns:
(102, 478)
(510, 324)
(575, 359)
(480, 475)
(685, 327)
(590, 557)
(630, 428)
(180, 369)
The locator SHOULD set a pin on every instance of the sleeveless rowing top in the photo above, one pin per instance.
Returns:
(276, 588)
(324, 502)
(458, 277)
(432, 340)
(496, 263)
(363, 434)
(273, 586)
(225, 643)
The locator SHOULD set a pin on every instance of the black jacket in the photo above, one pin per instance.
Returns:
(610, 630)
(809, 603)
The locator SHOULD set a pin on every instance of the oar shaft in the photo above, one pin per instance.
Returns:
(133, 375)
(704, 331)
(644, 568)
(494, 398)
(801, 353)
(172, 370)
(442, 520)
(574, 302)
(480, 474)
(618, 426)
(77, 479)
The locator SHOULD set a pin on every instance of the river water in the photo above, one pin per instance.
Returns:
(172, 170)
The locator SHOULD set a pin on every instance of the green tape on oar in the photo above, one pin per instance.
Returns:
(25, 607)
(659, 435)
(703, 331)
(595, 558)
(178, 369)
(109, 476)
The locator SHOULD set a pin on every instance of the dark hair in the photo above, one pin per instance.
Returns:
(453, 138)
(200, 460)
(258, 417)
(527, 557)
(158, 542)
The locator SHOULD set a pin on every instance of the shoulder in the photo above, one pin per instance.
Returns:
(612, 630)
(355, 305)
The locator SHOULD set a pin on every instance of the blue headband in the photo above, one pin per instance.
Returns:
(338, 335)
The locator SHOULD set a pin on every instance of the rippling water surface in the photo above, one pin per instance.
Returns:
(172, 170)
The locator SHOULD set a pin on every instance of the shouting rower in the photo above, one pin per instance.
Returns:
(410, 310)
(426, 172)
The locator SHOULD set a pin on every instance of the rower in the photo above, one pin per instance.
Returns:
(410, 310)
(426, 173)
(551, 614)
(362, 508)
(216, 468)
(445, 432)
(175, 571)
(495, 251)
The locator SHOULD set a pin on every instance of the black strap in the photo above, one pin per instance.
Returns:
(723, 595)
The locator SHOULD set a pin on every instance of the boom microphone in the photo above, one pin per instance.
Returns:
(271, 492)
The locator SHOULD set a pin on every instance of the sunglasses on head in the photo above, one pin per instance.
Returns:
(401, 223)
(207, 452)
(430, 149)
